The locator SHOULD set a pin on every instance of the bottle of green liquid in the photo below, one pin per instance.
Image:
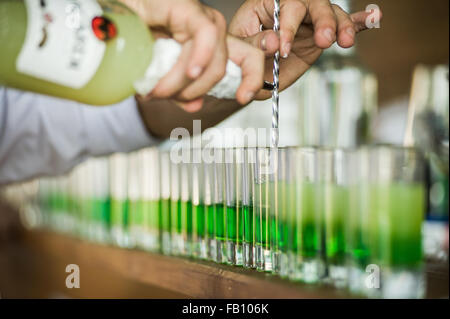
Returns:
(93, 51)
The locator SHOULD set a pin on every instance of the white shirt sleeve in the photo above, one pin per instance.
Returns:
(42, 135)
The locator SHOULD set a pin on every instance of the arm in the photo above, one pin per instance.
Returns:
(41, 135)
(162, 116)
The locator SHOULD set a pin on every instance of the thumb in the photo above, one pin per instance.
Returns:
(267, 41)
(360, 19)
(191, 106)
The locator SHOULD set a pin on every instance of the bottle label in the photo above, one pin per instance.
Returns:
(60, 45)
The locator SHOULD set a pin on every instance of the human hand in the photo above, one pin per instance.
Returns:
(306, 28)
(202, 63)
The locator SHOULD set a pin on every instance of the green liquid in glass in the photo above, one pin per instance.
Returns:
(336, 212)
(165, 216)
(211, 211)
(308, 222)
(119, 213)
(247, 213)
(198, 213)
(186, 218)
(396, 216)
(235, 225)
(261, 229)
(135, 213)
(151, 215)
(220, 222)
(102, 208)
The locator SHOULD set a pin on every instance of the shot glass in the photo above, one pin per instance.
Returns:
(166, 217)
(337, 174)
(58, 204)
(186, 210)
(309, 265)
(392, 200)
(284, 216)
(175, 209)
(219, 205)
(208, 200)
(234, 160)
(248, 207)
(119, 200)
(84, 203)
(277, 201)
(149, 200)
(134, 197)
(75, 200)
(198, 207)
(43, 201)
(100, 200)
(262, 184)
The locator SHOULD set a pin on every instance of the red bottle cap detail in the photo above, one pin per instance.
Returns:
(103, 28)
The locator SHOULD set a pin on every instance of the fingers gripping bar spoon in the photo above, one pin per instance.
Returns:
(276, 77)
(276, 74)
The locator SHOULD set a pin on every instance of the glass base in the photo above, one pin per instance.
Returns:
(259, 258)
(221, 256)
(149, 241)
(200, 249)
(284, 265)
(212, 249)
(275, 256)
(293, 270)
(99, 233)
(234, 254)
(248, 253)
(61, 222)
(120, 237)
(399, 283)
(307, 270)
(357, 282)
(187, 247)
(268, 263)
(338, 275)
(165, 243)
(312, 270)
(176, 244)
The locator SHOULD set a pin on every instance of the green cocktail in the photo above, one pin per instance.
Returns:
(119, 222)
(262, 227)
(235, 234)
(220, 232)
(336, 216)
(151, 224)
(211, 231)
(58, 206)
(397, 210)
(249, 235)
(101, 219)
(309, 265)
(186, 227)
(390, 238)
(166, 225)
(176, 226)
(199, 230)
(135, 222)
